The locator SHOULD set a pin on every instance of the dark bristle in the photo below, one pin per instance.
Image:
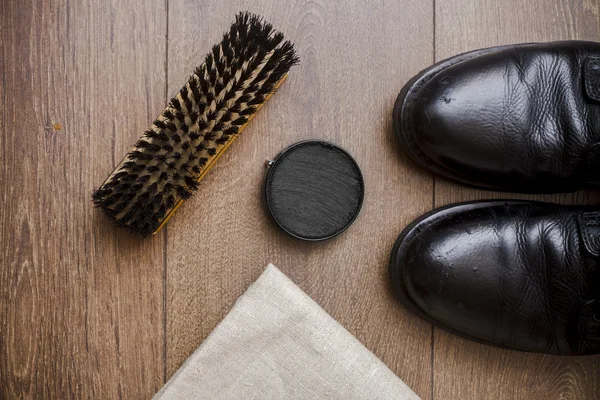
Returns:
(203, 124)
(243, 99)
(119, 207)
(226, 76)
(195, 89)
(157, 201)
(191, 182)
(208, 111)
(175, 103)
(170, 202)
(183, 92)
(231, 131)
(209, 64)
(127, 197)
(138, 155)
(200, 147)
(163, 176)
(110, 184)
(143, 198)
(150, 134)
(248, 111)
(211, 115)
(122, 187)
(220, 70)
(202, 82)
(110, 200)
(247, 73)
(227, 49)
(162, 211)
(236, 108)
(100, 194)
(230, 95)
(225, 118)
(127, 165)
(219, 86)
(212, 80)
(120, 175)
(129, 178)
(188, 104)
(151, 147)
(183, 192)
(161, 158)
(210, 96)
(221, 105)
(128, 216)
(138, 167)
(240, 121)
(256, 101)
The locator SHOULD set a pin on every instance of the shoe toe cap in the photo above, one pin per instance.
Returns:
(461, 125)
(447, 273)
(494, 272)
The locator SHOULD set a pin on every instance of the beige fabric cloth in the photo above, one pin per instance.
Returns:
(277, 343)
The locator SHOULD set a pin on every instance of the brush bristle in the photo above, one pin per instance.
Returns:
(165, 165)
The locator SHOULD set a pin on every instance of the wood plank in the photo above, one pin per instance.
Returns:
(81, 303)
(467, 370)
(355, 56)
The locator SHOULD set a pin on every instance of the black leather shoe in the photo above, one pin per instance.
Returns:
(522, 118)
(518, 275)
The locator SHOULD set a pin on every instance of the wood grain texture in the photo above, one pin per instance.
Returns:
(80, 301)
(354, 57)
(89, 311)
(463, 369)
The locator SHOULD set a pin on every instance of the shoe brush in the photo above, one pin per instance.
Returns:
(165, 166)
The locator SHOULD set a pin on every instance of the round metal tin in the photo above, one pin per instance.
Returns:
(314, 190)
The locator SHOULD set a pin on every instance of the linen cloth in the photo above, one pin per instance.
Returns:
(277, 343)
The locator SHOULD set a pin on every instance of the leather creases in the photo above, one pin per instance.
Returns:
(591, 78)
(590, 232)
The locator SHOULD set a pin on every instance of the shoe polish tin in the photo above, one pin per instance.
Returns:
(314, 190)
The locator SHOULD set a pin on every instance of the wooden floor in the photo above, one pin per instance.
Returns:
(89, 311)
